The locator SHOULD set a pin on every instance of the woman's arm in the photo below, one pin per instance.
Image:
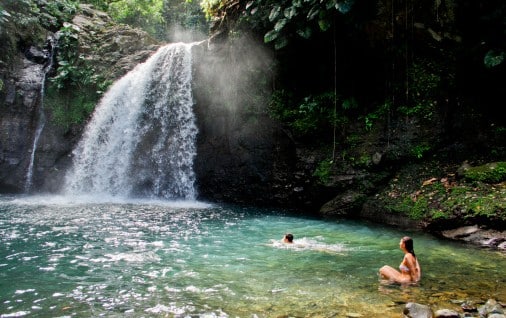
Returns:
(414, 268)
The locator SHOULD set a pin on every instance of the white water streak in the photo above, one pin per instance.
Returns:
(141, 139)
(41, 121)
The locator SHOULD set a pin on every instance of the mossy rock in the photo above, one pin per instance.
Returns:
(494, 172)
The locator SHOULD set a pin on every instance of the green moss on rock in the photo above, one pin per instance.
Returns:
(494, 172)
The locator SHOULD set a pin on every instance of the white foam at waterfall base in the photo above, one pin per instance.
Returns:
(140, 141)
(76, 200)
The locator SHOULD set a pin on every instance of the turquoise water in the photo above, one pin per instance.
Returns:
(159, 259)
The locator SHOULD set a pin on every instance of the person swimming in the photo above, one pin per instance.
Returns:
(288, 238)
(409, 269)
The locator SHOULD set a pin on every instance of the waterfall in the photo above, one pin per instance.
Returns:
(140, 141)
(41, 119)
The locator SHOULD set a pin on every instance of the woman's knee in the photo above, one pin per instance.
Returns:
(385, 269)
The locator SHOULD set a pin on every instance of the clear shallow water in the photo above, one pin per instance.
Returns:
(61, 257)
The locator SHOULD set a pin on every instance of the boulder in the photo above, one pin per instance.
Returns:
(414, 310)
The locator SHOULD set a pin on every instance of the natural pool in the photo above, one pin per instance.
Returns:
(60, 258)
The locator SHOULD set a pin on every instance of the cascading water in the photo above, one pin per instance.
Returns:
(141, 139)
(41, 120)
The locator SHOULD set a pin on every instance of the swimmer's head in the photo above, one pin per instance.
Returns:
(288, 238)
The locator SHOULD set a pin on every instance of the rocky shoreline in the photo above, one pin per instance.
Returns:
(479, 236)
(491, 309)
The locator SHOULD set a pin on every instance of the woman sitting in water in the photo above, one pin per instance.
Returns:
(409, 270)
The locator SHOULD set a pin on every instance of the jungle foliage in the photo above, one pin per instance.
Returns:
(22, 23)
(449, 199)
(284, 19)
(76, 87)
(417, 47)
(160, 18)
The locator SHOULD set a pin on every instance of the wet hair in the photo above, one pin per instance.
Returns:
(289, 237)
(408, 244)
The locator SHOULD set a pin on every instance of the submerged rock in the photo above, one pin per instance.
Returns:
(478, 236)
(491, 309)
(446, 313)
(414, 310)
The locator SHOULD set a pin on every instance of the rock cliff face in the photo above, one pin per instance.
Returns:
(21, 100)
(112, 49)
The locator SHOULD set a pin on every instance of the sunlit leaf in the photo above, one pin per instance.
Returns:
(271, 36)
(313, 12)
(274, 13)
(280, 24)
(290, 12)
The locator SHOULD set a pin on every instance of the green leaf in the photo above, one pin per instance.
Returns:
(345, 6)
(493, 58)
(251, 7)
(271, 36)
(280, 24)
(274, 13)
(324, 24)
(315, 10)
(349, 103)
(290, 12)
(280, 43)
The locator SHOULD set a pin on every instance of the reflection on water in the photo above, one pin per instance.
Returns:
(71, 258)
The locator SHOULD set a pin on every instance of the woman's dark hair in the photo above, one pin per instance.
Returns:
(289, 237)
(408, 244)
